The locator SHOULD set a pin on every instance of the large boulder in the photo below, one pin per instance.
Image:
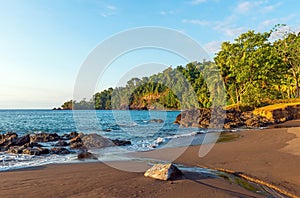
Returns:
(163, 172)
(95, 141)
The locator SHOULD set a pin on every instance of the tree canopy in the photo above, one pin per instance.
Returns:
(254, 69)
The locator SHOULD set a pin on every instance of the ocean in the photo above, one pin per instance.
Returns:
(147, 130)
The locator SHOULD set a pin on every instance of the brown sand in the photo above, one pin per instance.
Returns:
(293, 146)
(263, 154)
(99, 180)
(269, 155)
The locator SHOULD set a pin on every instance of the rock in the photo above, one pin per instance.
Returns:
(70, 136)
(233, 118)
(121, 142)
(35, 151)
(44, 137)
(15, 150)
(178, 119)
(76, 143)
(156, 120)
(23, 140)
(95, 141)
(62, 143)
(8, 140)
(59, 151)
(163, 172)
(86, 155)
(35, 144)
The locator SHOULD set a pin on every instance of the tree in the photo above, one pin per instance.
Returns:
(249, 68)
(288, 49)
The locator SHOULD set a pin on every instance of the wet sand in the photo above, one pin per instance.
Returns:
(271, 155)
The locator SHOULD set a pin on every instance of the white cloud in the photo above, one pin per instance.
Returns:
(196, 2)
(169, 12)
(110, 10)
(213, 47)
(226, 26)
(196, 22)
(235, 31)
(244, 7)
(271, 22)
(270, 8)
(248, 6)
(111, 7)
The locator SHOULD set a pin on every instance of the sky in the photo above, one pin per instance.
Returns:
(43, 43)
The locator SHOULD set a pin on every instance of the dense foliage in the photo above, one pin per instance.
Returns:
(253, 68)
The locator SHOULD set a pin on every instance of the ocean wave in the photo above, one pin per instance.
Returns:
(17, 161)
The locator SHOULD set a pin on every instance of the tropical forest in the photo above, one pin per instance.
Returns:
(254, 70)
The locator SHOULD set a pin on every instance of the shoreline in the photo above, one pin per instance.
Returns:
(260, 154)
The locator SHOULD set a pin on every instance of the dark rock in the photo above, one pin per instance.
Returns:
(8, 140)
(178, 119)
(76, 143)
(44, 137)
(35, 151)
(15, 150)
(22, 140)
(156, 120)
(70, 136)
(86, 155)
(62, 143)
(35, 144)
(59, 151)
(121, 142)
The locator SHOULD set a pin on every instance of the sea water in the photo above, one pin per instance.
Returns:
(147, 130)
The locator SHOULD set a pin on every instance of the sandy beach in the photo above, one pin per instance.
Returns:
(271, 155)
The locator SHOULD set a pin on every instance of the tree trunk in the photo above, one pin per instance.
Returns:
(297, 83)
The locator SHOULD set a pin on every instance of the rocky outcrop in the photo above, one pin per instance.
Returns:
(163, 172)
(32, 144)
(228, 119)
(279, 113)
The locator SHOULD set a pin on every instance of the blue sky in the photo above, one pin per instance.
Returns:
(44, 42)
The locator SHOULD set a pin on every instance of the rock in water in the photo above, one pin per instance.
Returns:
(86, 155)
(96, 141)
(163, 172)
